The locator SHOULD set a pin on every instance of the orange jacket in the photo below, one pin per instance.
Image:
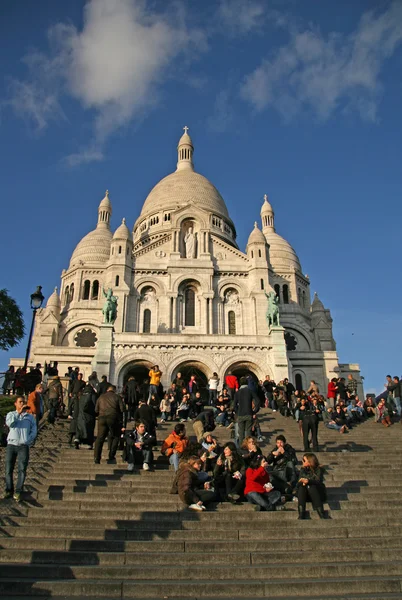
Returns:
(180, 444)
(33, 403)
(155, 377)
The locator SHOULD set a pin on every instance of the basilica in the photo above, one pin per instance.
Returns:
(188, 298)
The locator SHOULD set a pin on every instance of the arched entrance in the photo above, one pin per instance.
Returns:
(193, 367)
(138, 369)
(243, 369)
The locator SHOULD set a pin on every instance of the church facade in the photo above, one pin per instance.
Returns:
(188, 299)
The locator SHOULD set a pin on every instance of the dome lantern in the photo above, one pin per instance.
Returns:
(267, 216)
(185, 151)
(104, 212)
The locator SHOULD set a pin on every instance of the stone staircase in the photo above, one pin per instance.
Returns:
(91, 530)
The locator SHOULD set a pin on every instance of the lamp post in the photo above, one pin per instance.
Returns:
(37, 299)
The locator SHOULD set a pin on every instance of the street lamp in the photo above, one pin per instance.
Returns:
(37, 299)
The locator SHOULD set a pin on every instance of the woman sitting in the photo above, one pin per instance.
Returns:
(382, 414)
(229, 473)
(191, 491)
(222, 417)
(310, 487)
(183, 410)
(211, 450)
(259, 490)
(369, 406)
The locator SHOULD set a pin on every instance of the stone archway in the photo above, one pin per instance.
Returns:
(138, 369)
(193, 367)
(243, 369)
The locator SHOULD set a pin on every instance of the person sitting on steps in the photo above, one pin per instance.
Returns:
(229, 473)
(175, 444)
(192, 492)
(311, 487)
(258, 490)
(139, 444)
(283, 460)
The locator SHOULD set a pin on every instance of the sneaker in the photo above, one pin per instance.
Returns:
(195, 507)
(130, 467)
(145, 466)
(163, 421)
(233, 497)
(261, 438)
(274, 410)
(7, 495)
(17, 497)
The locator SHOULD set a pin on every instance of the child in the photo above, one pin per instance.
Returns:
(165, 408)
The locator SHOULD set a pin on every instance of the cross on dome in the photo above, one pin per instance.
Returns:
(185, 129)
(265, 197)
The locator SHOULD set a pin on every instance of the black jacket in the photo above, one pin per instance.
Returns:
(315, 477)
(148, 440)
(147, 414)
(279, 462)
(243, 402)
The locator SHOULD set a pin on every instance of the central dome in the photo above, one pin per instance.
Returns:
(181, 188)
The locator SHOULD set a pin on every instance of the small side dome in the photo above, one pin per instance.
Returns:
(256, 236)
(122, 232)
(54, 300)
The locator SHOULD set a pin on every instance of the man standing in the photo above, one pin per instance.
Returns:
(21, 436)
(55, 391)
(110, 409)
(232, 385)
(269, 387)
(243, 408)
(395, 388)
(351, 386)
(155, 379)
(76, 389)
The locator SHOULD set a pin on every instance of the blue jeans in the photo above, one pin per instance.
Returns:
(12, 453)
(333, 426)
(266, 501)
(213, 394)
(222, 419)
(174, 460)
(153, 389)
(397, 402)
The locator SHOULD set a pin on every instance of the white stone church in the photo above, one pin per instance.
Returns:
(189, 299)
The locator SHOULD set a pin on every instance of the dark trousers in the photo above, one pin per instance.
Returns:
(229, 485)
(12, 453)
(309, 493)
(244, 424)
(310, 424)
(107, 425)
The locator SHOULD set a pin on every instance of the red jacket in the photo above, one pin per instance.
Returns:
(231, 381)
(331, 390)
(255, 480)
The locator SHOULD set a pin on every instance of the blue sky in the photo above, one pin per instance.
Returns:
(299, 100)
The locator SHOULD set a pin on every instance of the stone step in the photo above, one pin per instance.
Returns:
(208, 588)
(197, 531)
(277, 547)
(175, 572)
(239, 557)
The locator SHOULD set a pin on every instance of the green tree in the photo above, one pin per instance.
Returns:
(11, 322)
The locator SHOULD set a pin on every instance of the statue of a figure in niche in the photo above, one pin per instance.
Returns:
(189, 242)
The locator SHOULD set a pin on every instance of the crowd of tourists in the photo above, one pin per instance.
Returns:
(205, 470)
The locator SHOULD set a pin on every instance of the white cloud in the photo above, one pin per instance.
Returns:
(241, 16)
(324, 74)
(113, 66)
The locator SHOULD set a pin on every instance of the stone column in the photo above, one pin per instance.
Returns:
(280, 363)
(103, 354)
